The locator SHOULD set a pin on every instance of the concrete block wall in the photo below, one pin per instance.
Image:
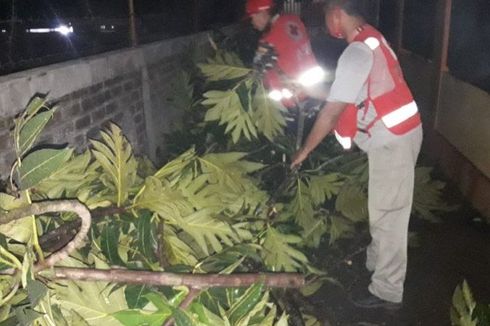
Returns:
(128, 87)
(457, 144)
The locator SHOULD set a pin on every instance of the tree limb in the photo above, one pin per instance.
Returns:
(54, 206)
(59, 237)
(193, 293)
(195, 281)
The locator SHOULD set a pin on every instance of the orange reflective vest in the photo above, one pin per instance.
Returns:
(396, 107)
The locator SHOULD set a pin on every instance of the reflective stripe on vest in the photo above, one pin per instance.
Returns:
(346, 142)
(400, 115)
(372, 43)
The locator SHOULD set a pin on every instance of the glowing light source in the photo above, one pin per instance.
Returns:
(39, 30)
(286, 93)
(275, 95)
(312, 76)
(64, 30)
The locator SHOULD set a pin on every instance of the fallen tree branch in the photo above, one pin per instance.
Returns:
(54, 206)
(196, 281)
(193, 293)
(54, 240)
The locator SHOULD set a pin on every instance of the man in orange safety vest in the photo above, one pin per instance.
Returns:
(370, 104)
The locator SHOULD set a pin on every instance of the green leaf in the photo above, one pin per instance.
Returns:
(352, 202)
(41, 164)
(70, 180)
(36, 291)
(225, 65)
(135, 296)
(77, 320)
(147, 242)
(339, 227)
(140, 318)
(302, 205)
(225, 107)
(176, 250)
(182, 318)
(32, 129)
(229, 256)
(324, 187)
(463, 306)
(176, 166)
(95, 301)
(160, 198)
(428, 196)
(181, 92)
(8, 202)
(36, 104)
(266, 116)
(205, 316)
(109, 243)
(159, 301)
(208, 231)
(246, 303)
(278, 253)
(26, 315)
(116, 158)
(21, 229)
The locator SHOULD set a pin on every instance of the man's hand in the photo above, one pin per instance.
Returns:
(298, 158)
(265, 57)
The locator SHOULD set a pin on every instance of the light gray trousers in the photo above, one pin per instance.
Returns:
(390, 196)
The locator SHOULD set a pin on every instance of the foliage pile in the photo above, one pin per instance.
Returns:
(465, 311)
(210, 209)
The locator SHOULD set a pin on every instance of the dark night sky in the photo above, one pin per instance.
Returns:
(48, 9)
(470, 26)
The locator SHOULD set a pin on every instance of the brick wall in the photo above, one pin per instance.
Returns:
(128, 87)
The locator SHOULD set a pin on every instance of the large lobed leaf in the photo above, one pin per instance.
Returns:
(279, 254)
(159, 197)
(222, 183)
(267, 117)
(226, 108)
(70, 179)
(175, 167)
(117, 161)
(95, 302)
(224, 66)
(207, 231)
(427, 197)
(352, 202)
(181, 92)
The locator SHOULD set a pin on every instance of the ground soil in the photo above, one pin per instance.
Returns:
(447, 253)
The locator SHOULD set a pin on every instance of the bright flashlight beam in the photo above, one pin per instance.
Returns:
(64, 30)
(39, 30)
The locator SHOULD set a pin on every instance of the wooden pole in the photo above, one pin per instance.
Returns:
(195, 15)
(398, 37)
(133, 36)
(441, 45)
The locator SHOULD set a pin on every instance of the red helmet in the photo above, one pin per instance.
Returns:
(254, 6)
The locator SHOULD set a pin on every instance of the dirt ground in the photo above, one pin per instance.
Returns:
(445, 255)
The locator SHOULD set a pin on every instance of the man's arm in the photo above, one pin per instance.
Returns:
(326, 120)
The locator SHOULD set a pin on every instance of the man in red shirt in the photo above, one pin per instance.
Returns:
(284, 54)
